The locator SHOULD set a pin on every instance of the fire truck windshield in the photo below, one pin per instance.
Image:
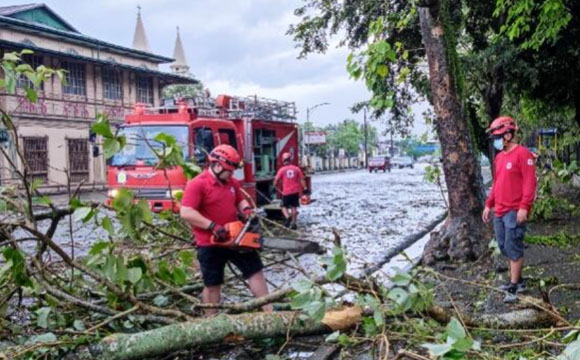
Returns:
(141, 142)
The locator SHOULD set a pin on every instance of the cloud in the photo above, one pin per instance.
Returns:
(236, 47)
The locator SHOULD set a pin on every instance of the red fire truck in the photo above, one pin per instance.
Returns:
(260, 129)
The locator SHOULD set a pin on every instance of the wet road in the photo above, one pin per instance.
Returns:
(370, 211)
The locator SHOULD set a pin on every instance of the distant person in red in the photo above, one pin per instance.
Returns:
(211, 200)
(512, 195)
(293, 184)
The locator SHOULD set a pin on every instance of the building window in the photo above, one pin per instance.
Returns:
(36, 156)
(145, 89)
(112, 84)
(34, 61)
(75, 78)
(78, 160)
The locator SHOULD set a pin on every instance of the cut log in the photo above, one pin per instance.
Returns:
(217, 329)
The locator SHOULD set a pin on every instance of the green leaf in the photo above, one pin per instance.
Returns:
(455, 330)
(300, 300)
(438, 349)
(161, 301)
(123, 200)
(43, 338)
(302, 285)
(315, 309)
(102, 127)
(110, 147)
(98, 248)
(401, 279)
(179, 276)
(44, 200)
(108, 226)
(31, 94)
(79, 325)
(344, 340)
(134, 274)
(42, 317)
(187, 257)
(83, 214)
(398, 295)
(382, 70)
(333, 337)
(571, 352)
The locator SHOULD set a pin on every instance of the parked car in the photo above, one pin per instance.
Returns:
(402, 162)
(380, 162)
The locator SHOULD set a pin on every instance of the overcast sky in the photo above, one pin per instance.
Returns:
(237, 47)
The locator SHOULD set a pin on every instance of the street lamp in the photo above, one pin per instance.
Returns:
(308, 111)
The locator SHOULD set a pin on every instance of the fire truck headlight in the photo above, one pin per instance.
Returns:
(174, 194)
(113, 193)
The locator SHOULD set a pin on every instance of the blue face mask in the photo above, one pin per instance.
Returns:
(498, 144)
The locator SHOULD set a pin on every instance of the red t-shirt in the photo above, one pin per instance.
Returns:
(214, 200)
(514, 185)
(291, 177)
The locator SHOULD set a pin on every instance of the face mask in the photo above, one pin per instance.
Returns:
(498, 144)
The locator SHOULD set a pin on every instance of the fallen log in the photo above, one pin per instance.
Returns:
(219, 329)
(517, 319)
(407, 241)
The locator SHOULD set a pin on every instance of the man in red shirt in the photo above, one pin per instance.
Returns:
(211, 200)
(512, 195)
(293, 184)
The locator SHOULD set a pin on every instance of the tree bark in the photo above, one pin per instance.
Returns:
(463, 236)
(577, 107)
(217, 329)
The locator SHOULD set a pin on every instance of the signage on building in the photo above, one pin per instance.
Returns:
(314, 137)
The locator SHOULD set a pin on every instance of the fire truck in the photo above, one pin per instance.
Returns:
(260, 129)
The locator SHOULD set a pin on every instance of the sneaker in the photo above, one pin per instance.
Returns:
(511, 295)
(520, 286)
(288, 222)
(294, 226)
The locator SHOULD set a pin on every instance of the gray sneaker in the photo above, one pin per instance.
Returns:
(511, 295)
(520, 287)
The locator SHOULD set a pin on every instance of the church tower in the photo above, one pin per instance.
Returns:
(179, 66)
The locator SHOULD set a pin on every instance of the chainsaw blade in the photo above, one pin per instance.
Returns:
(292, 245)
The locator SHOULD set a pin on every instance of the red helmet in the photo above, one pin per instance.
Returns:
(286, 157)
(227, 156)
(501, 125)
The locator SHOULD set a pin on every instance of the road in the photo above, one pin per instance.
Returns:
(370, 212)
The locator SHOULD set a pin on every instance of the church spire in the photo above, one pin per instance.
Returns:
(179, 66)
(140, 41)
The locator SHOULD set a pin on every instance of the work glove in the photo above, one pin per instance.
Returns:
(220, 233)
(248, 212)
(306, 192)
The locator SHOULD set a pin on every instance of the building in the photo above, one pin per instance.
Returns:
(100, 78)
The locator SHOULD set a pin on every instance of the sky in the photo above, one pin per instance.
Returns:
(237, 47)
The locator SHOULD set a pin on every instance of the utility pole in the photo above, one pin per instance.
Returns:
(366, 138)
(308, 110)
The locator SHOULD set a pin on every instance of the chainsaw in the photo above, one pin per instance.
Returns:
(241, 237)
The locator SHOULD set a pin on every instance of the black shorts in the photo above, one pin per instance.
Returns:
(291, 201)
(213, 260)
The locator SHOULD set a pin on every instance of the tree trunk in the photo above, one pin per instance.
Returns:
(463, 237)
(219, 329)
(577, 107)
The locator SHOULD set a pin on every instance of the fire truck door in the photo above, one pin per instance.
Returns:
(202, 144)
(228, 136)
